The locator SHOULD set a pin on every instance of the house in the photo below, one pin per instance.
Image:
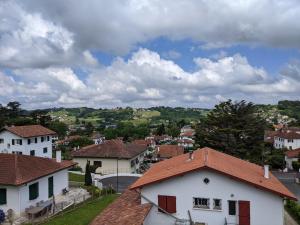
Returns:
(34, 140)
(97, 138)
(27, 180)
(186, 143)
(208, 187)
(163, 152)
(112, 156)
(288, 140)
(291, 156)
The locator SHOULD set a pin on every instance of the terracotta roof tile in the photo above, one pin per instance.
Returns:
(20, 169)
(293, 153)
(111, 149)
(126, 210)
(29, 131)
(288, 135)
(210, 159)
(169, 151)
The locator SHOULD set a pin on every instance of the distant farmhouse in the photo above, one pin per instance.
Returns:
(163, 152)
(203, 187)
(34, 140)
(111, 156)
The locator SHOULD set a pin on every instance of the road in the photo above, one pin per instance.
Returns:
(124, 182)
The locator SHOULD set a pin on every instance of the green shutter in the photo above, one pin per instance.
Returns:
(33, 191)
(50, 187)
(3, 196)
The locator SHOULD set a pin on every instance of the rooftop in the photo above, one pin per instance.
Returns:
(126, 210)
(293, 153)
(213, 160)
(20, 169)
(288, 135)
(29, 131)
(169, 151)
(110, 149)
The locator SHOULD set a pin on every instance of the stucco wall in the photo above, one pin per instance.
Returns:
(25, 148)
(283, 143)
(266, 208)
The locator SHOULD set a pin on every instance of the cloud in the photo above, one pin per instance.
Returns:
(172, 54)
(146, 80)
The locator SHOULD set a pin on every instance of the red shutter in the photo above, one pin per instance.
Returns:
(244, 211)
(171, 204)
(162, 202)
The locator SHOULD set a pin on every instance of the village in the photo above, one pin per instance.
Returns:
(158, 178)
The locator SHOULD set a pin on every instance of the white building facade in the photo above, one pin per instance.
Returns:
(290, 143)
(34, 144)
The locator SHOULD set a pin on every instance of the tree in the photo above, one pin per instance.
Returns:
(88, 176)
(13, 109)
(81, 142)
(234, 128)
(59, 127)
(161, 130)
(173, 130)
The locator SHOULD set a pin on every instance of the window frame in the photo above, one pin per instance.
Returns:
(50, 186)
(33, 190)
(3, 196)
(42, 139)
(230, 211)
(201, 206)
(31, 152)
(1, 140)
(167, 203)
(45, 150)
(214, 204)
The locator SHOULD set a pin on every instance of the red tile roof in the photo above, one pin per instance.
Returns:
(110, 149)
(210, 159)
(142, 142)
(169, 151)
(126, 210)
(293, 153)
(29, 131)
(288, 135)
(20, 169)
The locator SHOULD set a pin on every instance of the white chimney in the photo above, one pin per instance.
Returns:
(266, 171)
(58, 156)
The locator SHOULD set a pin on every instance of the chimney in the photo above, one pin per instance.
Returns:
(58, 156)
(191, 155)
(266, 171)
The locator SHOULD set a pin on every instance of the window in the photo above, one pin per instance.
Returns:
(33, 191)
(28, 141)
(45, 150)
(98, 163)
(42, 139)
(136, 160)
(3, 196)
(202, 203)
(18, 141)
(17, 153)
(13, 141)
(50, 187)
(132, 163)
(48, 138)
(232, 208)
(35, 140)
(167, 203)
(32, 153)
(1, 140)
(217, 204)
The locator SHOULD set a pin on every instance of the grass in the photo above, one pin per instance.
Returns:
(76, 177)
(84, 214)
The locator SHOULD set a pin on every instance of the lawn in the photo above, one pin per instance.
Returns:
(76, 177)
(84, 214)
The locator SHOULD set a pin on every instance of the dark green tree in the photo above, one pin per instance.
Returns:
(160, 130)
(59, 127)
(88, 176)
(234, 128)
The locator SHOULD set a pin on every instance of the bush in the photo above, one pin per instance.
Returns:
(108, 190)
(76, 168)
(93, 190)
(294, 209)
(296, 165)
(2, 216)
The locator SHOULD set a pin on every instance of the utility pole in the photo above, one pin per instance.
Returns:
(117, 175)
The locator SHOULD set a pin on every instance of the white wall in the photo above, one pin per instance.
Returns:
(265, 207)
(25, 148)
(289, 162)
(284, 143)
(18, 197)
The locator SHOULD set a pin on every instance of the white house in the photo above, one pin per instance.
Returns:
(27, 180)
(291, 156)
(34, 140)
(111, 156)
(288, 140)
(205, 187)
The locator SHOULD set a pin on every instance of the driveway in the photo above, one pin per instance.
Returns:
(288, 179)
(123, 182)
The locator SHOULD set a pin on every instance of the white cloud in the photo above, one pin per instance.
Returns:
(146, 80)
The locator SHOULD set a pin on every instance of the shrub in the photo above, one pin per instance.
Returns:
(76, 168)
(2, 216)
(108, 190)
(294, 209)
(296, 165)
(93, 190)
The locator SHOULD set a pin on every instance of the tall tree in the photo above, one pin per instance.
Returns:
(88, 176)
(161, 130)
(234, 128)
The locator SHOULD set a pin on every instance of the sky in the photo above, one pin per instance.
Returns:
(144, 53)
